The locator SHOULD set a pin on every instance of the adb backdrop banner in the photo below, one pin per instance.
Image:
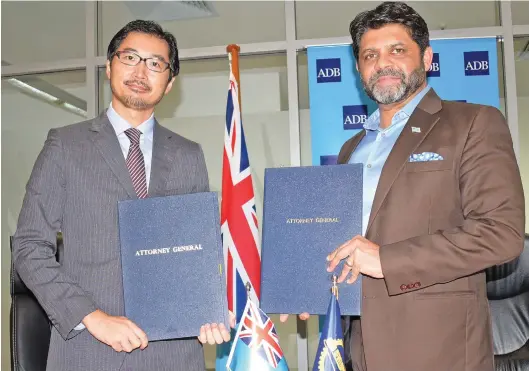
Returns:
(462, 69)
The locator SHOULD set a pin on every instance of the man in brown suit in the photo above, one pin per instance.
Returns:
(444, 202)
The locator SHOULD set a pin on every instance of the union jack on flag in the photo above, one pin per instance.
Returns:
(239, 227)
(256, 344)
(259, 333)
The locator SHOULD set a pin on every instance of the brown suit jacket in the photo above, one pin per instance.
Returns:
(439, 224)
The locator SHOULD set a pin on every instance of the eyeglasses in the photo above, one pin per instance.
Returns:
(133, 59)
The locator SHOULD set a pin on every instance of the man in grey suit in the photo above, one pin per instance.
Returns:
(81, 173)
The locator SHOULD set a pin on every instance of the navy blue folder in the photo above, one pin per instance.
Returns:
(172, 263)
(308, 212)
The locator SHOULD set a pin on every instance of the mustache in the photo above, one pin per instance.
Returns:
(389, 71)
(138, 82)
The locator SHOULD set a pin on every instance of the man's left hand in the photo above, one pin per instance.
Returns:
(361, 256)
(213, 333)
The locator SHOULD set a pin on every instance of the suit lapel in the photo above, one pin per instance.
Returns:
(423, 118)
(107, 143)
(161, 160)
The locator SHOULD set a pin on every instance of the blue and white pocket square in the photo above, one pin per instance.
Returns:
(425, 156)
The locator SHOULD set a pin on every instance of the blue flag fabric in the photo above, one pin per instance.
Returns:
(256, 344)
(330, 353)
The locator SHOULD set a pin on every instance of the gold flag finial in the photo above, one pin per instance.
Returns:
(334, 288)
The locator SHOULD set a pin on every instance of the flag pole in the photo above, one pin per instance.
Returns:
(233, 53)
(223, 350)
(248, 290)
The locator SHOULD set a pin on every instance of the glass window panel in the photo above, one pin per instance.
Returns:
(28, 113)
(196, 109)
(317, 19)
(520, 12)
(521, 56)
(41, 31)
(304, 109)
(218, 23)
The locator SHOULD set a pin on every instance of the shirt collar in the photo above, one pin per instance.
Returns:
(373, 122)
(120, 124)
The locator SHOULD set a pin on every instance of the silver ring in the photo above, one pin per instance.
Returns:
(347, 263)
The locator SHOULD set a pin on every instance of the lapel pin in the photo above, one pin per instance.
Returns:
(415, 129)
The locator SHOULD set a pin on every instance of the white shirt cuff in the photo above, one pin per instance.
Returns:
(79, 327)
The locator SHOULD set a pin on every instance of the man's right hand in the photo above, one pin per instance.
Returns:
(118, 332)
(303, 316)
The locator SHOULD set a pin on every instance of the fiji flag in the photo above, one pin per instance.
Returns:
(330, 354)
(256, 344)
(239, 226)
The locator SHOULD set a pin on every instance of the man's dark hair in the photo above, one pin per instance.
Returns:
(150, 28)
(390, 13)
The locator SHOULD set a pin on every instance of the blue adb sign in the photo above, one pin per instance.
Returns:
(476, 63)
(354, 117)
(329, 70)
(435, 68)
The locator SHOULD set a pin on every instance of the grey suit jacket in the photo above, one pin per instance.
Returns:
(74, 187)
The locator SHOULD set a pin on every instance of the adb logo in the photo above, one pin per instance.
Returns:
(435, 68)
(476, 63)
(328, 70)
(354, 117)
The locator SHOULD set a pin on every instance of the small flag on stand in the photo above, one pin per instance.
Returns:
(256, 344)
(330, 353)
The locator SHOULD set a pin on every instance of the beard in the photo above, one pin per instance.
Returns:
(394, 93)
(135, 102)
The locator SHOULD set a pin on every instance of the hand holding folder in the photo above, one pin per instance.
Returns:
(212, 333)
